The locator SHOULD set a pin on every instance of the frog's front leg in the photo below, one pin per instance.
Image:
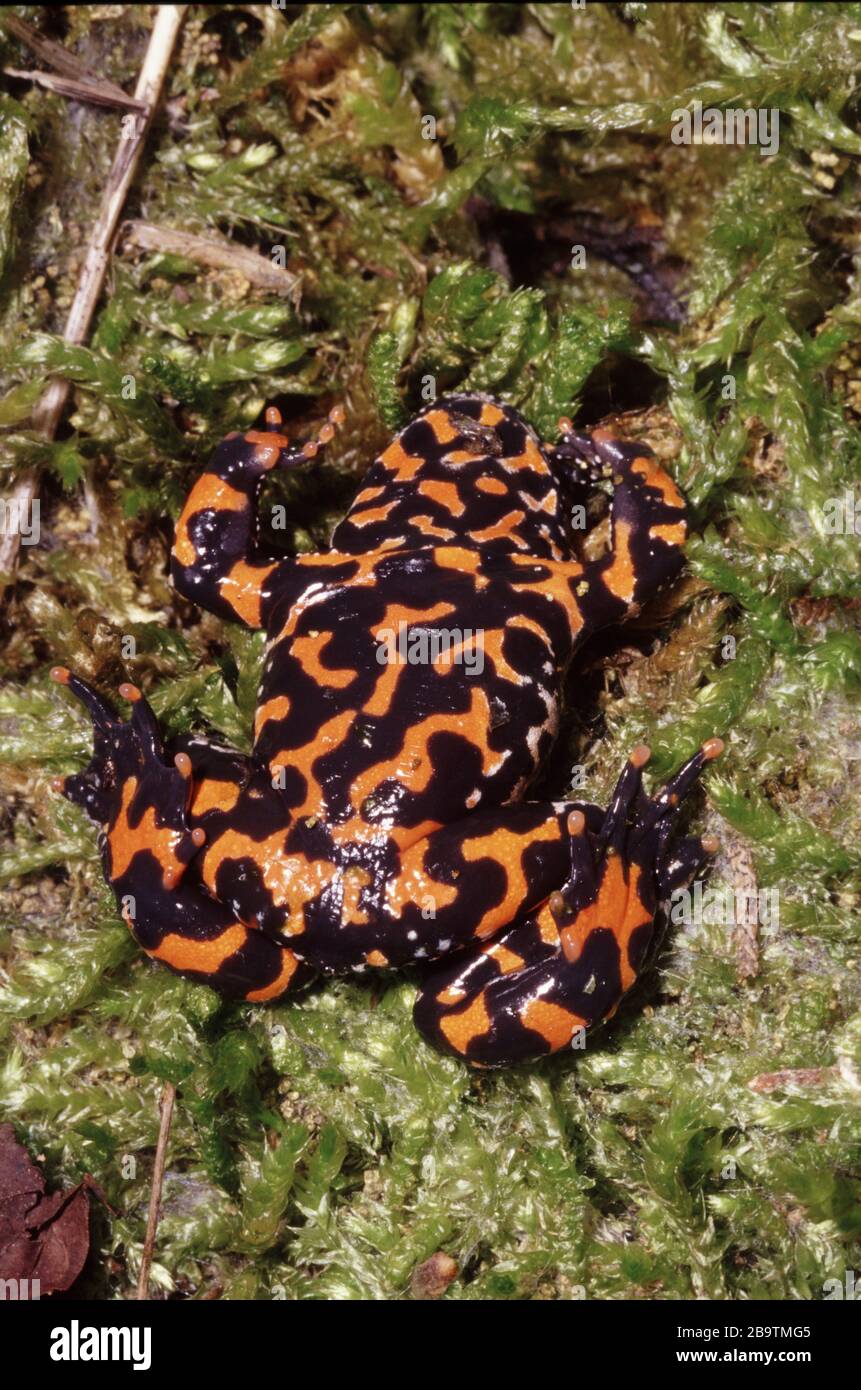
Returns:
(216, 560)
(156, 811)
(566, 966)
(648, 523)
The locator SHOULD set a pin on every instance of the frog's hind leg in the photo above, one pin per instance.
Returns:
(216, 560)
(151, 834)
(565, 966)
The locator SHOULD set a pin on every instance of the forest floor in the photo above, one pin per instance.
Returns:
(483, 195)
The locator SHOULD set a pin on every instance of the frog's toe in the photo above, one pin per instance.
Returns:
(91, 788)
(683, 862)
(136, 794)
(324, 435)
(656, 817)
(271, 445)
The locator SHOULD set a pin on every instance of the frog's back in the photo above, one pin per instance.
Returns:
(407, 696)
(415, 678)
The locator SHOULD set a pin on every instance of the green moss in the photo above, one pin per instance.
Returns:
(319, 1149)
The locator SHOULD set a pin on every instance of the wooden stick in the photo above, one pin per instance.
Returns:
(225, 255)
(54, 54)
(49, 409)
(168, 1096)
(79, 89)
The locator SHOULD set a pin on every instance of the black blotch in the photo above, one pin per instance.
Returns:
(638, 946)
(240, 882)
(547, 862)
(599, 961)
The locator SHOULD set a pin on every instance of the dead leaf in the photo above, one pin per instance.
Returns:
(42, 1237)
(431, 1279)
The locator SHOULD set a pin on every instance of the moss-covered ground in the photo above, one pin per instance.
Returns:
(706, 1144)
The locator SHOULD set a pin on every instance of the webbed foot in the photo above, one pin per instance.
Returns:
(130, 788)
(565, 967)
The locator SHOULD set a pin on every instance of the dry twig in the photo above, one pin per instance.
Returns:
(48, 411)
(223, 255)
(745, 933)
(768, 1081)
(80, 89)
(168, 1096)
(55, 55)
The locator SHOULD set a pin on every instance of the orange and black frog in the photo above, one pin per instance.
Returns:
(409, 694)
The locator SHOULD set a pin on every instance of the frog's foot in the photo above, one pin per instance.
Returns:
(619, 878)
(538, 986)
(202, 939)
(131, 790)
(244, 458)
(216, 560)
(152, 810)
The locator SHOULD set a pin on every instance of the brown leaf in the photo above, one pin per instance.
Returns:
(431, 1279)
(769, 1081)
(41, 1237)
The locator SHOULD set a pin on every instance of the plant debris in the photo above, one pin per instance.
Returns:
(425, 173)
(44, 1238)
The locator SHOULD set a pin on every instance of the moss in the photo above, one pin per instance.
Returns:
(319, 1149)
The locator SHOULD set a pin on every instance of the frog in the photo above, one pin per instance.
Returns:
(410, 694)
